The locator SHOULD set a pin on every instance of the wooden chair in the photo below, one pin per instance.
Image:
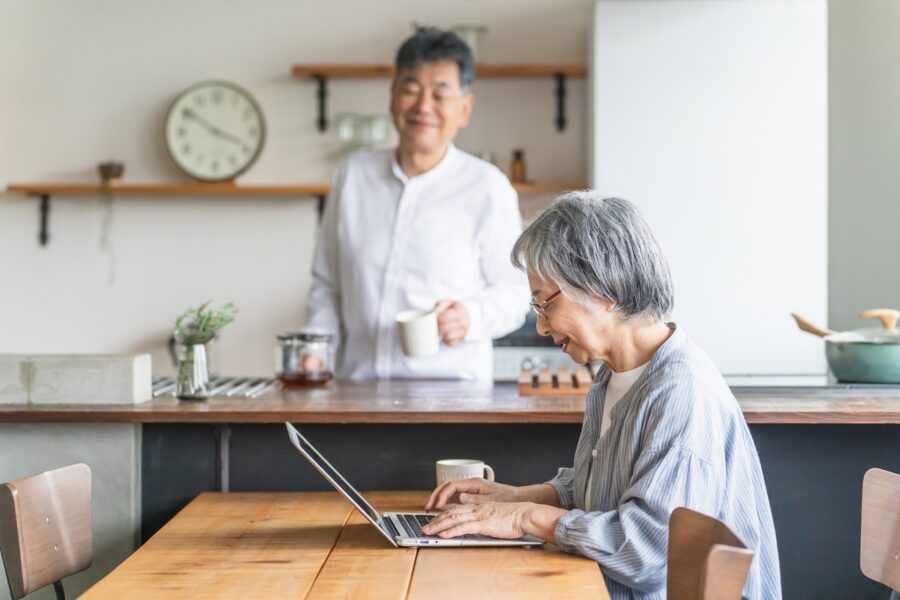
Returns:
(879, 544)
(46, 528)
(706, 560)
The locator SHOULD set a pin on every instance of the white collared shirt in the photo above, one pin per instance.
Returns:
(390, 243)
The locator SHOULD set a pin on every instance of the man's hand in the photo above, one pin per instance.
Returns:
(453, 321)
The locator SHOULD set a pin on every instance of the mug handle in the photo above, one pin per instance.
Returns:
(488, 473)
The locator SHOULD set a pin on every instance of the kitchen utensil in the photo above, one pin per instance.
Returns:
(473, 36)
(517, 169)
(356, 130)
(868, 355)
(807, 326)
(111, 171)
(304, 360)
(220, 386)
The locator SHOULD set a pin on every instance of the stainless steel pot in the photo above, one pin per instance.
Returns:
(869, 355)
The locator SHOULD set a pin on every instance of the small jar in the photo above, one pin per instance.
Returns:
(304, 360)
(517, 170)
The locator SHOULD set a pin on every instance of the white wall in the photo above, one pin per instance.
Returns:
(712, 116)
(864, 182)
(91, 80)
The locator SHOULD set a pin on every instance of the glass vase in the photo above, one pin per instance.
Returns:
(193, 375)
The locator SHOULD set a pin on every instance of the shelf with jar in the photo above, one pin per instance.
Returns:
(319, 191)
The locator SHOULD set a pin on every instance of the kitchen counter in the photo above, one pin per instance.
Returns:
(815, 440)
(463, 402)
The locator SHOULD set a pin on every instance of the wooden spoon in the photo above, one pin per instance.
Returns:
(809, 327)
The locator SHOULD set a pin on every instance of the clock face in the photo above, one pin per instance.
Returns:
(215, 131)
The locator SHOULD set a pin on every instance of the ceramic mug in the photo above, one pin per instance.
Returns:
(452, 469)
(419, 332)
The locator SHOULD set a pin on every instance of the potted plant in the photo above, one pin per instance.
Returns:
(193, 329)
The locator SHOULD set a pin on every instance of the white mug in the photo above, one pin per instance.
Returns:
(452, 469)
(419, 332)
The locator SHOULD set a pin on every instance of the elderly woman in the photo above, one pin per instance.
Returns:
(661, 427)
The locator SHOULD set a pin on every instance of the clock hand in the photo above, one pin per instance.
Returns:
(190, 114)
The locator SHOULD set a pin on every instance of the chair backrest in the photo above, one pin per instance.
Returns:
(46, 527)
(879, 544)
(706, 560)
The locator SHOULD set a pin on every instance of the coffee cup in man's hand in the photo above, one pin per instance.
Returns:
(419, 332)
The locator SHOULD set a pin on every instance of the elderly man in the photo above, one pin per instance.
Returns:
(661, 427)
(425, 226)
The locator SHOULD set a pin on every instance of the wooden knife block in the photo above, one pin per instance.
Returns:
(563, 382)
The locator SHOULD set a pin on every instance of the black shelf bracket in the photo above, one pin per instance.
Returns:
(560, 101)
(44, 233)
(320, 206)
(322, 84)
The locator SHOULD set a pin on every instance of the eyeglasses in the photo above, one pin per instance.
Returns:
(541, 308)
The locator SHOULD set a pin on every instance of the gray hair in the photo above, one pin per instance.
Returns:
(593, 247)
(430, 45)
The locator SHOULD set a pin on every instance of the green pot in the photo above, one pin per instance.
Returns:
(861, 362)
(869, 355)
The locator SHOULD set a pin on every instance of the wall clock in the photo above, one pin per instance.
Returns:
(215, 131)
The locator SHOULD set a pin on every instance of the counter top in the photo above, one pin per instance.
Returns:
(460, 402)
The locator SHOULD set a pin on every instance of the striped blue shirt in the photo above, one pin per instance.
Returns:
(677, 438)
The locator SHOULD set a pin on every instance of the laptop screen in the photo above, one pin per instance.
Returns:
(331, 474)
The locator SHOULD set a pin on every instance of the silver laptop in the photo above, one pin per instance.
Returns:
(400, 529)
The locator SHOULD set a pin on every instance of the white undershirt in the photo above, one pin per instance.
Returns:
(616, 388)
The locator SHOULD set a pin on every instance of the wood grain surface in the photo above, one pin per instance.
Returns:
(538, 573)
(458, 402)
(707, 561)
(525, 188)
(313, 545)
(46, 527)
(879, 556)
(171, 189)
(562, 382)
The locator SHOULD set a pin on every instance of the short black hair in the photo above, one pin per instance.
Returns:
(429, 45)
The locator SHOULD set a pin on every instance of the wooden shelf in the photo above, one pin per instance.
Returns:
(44, 191)
(321, 73)
(171, 189)
(535, 188)
(345, 71)
(227, 189)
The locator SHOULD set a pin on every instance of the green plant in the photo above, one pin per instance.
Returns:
(199, 325)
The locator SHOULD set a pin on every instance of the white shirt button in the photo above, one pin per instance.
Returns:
(594, 453)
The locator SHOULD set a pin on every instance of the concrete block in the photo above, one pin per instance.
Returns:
(75, 379)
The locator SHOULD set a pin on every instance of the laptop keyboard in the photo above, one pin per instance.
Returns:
(414, 524)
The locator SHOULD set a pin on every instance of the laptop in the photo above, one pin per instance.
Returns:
(400, 529)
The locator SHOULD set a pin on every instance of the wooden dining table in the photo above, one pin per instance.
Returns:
(315, 545)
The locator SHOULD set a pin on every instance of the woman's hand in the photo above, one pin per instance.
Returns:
(504, 520)
(471, 491)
